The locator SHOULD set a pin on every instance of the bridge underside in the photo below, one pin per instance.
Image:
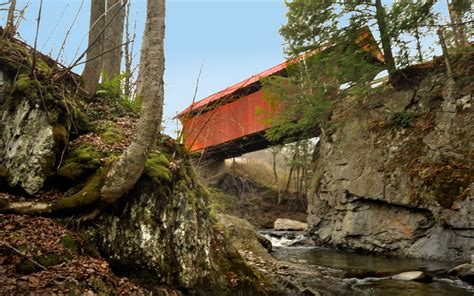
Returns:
(247, 144)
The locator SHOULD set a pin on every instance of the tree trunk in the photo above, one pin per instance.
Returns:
(288, 181)
(384, 37)
(275, 173)
(113, 38)
(458, 29)
(126, 171)
(442, 42)
(127, 89)
(418, 46)
(10, 25)
(91, 73)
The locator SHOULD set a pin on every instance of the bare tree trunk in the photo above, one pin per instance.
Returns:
(418, 45)
(128, 53)
(10, 25)
(126, 171)
(288, 181)
(274, 152)
(442, 41)
(458, 29)
(113, 37)
(91, 73)
(384, 37)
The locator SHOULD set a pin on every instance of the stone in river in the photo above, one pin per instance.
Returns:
(288, 224)
(418, 276)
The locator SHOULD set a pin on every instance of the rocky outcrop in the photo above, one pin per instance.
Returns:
(464, 272)
(165, 235)
(397, 177)
(162, 233)
(288, 224)
(29, 140)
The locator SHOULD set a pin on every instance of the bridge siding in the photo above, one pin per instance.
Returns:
(227, 122)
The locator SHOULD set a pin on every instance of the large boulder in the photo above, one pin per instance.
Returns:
(161, 232)
(464, 272)
(243, 236)
(30, 142)
(288, 224)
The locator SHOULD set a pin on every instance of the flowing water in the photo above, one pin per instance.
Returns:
(366, 274)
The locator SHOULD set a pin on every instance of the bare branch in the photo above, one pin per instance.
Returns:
(76, 62)
(9, 27)
(38, 21)
(55, 27)
(69, 31)
(22, 254)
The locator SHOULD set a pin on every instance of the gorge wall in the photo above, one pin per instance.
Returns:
(396, 173)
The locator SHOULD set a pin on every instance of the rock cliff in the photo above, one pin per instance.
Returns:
(396, 174)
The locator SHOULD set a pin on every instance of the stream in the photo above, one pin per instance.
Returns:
(349, 273)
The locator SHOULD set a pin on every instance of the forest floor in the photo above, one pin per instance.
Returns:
(39, 256)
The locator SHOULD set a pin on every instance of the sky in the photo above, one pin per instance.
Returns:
(230, 39)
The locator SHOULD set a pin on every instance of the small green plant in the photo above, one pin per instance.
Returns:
(402, 119)
(113, 89)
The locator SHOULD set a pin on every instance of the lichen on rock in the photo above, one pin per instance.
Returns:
(26, 133)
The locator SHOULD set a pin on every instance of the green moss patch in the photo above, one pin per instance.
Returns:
(60, 134)
(87, 196)
(113, 134)
(27, 266)
(80, 162)
(402, 119)
(69, 242)
(157, 168)
(81, 122)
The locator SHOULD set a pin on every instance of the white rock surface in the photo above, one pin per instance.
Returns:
(288, 224)
(410, 276)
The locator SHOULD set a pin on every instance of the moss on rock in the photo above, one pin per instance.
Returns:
(82, 122)
(86, 197)
(157, 168)
(60, 134)
(81, 161)
(450, 183)
(112, 133)
(69, 242)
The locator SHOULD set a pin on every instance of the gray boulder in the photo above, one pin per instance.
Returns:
(29, 144)
(288, 224)
(464, 272)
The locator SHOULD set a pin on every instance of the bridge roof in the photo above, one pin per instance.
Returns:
(365, 40)
(244, 83)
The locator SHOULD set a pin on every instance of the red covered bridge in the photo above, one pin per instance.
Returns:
(226, 124)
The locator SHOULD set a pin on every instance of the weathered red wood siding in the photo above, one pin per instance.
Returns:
(227, 122)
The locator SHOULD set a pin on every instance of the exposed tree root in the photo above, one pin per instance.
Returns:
(88, 196)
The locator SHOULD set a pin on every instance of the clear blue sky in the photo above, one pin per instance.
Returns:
(232, 39)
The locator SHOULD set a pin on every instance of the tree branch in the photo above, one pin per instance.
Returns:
(38, 21)
(22, 254)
